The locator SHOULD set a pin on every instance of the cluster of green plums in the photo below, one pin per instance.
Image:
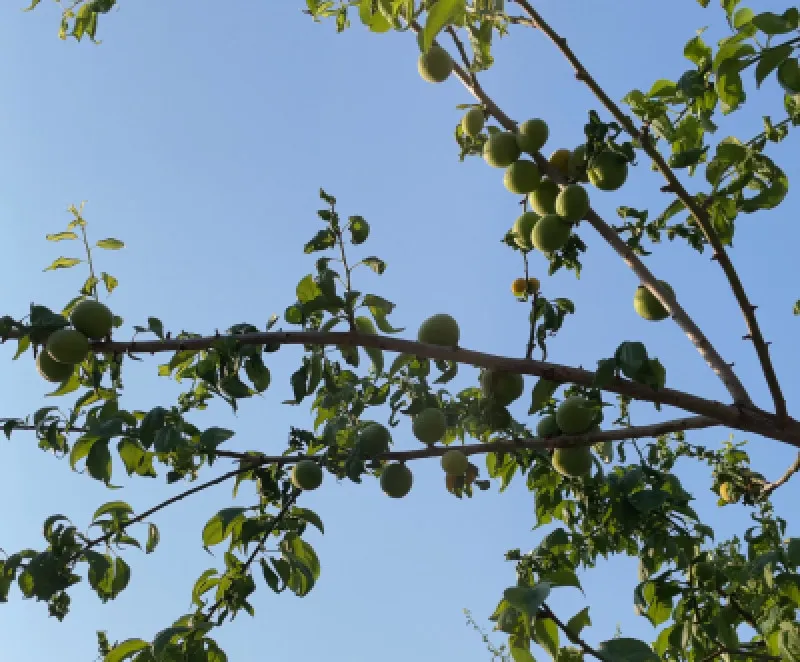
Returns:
(66, 348)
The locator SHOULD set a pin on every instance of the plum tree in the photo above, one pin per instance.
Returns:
(522, 176)
(396, 480)
(543, 198)
(473, 121)
(306, 475)
(607, 171)
(430, 425)
(501, 149)
(550, 233)
(68, 346)
(436, 65)
(455, 463)
(647, 306)
(439, 329)
(522, 229)
(572, 203)
(573, 462)
(532, 135)
(92, 318)
(610, 493)
(501, 386)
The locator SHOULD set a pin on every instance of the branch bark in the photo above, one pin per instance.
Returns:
(698, 212)
(720, 367)
(769, 488)
(750, 419)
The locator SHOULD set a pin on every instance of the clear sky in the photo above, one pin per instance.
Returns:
(200, 134)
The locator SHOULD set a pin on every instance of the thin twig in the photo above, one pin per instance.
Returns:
(720, 367)
(574, 638)
(769, 488)
(260, 546)
(697, 211)
(564, 441)
(160, 506)
(750, 419)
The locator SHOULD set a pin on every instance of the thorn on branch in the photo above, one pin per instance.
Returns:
(747, 337)
(667, 188)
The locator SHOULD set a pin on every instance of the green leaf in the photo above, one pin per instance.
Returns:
(625, 649)
(728, 85)
(606, 371)
(61, 236)
(126, 650)
(687, 158)
(257, 373)
(156, 326)
(98, 461)
(153, 538)
(308, 516)
(109, 281)
(545, 633)
(376, 21)
(110, 244)
(527, 599)
(166, 637)
(117, 509)
(213, 437)
(769, 60)
(697, 51)
(520, 649)
(631, 357)
(772, 24)
(375, 263)
(307, 289)
(221, 525)
(439, 15)
(321, 241)
(578, 622)
(742, 17)
(662, 88)
(63, 263)
(542, 394)
(359, 230)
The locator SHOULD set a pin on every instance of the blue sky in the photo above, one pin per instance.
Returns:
(200, 135)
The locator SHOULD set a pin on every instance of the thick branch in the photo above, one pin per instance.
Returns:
(698, 212)
(681, 317)
(737, 417)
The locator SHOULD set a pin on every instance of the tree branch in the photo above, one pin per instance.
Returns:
(546, 612)
(720, 367)
(750, 419)
(698, 212)
(769, 488)
(506, 445)
(151, 511)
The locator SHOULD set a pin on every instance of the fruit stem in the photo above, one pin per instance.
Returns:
(89, 260)
(347, 270)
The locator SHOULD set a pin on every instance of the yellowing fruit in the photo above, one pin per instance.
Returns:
(439, 329)
(607, 171)
(373, 439)
(429, 426)
(473, 121)
(52, 370)
(521, 177)
(726, 493)
(573, 462)
(520, 286)
(550, 233)
(575, 415)
(436, 65)
(572, 203)
(501, 149)
(560, 161)
(543, 198)
(396, 480)
(522, 229)
(306, 475)
(532, 135)
(455, 463)
(501, 386)
(67, 346)
(92, 318)
(647, 306)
